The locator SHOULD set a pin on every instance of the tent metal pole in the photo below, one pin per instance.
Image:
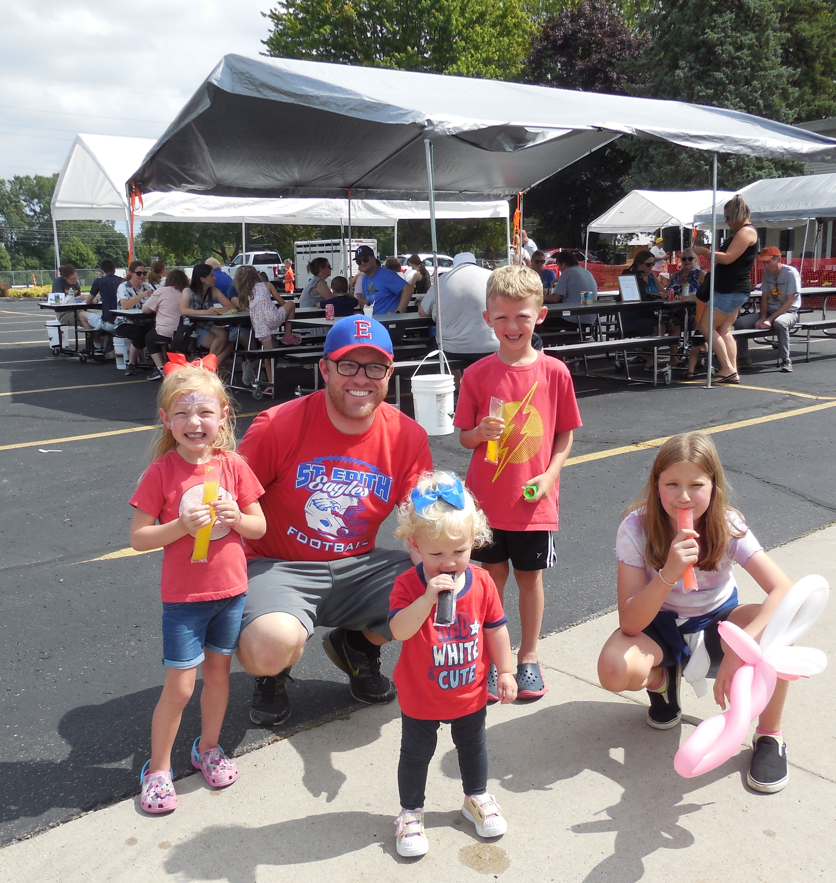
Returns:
(586, 251)
(243, 237)
(348, 264)
(804, 249)
(710, 356)
(508, 238)
(428, 154)
(395, 246)
(55, 241)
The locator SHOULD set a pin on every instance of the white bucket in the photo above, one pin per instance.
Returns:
(121, 348)
(432, 397)
(54, 333)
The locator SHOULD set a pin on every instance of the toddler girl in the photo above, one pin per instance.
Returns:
(202, 602)
(664, 627)
(442, 672)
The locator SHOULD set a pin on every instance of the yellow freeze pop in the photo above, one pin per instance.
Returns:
(200, 555)
(492, 451)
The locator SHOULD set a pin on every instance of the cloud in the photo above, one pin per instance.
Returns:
(108, 68)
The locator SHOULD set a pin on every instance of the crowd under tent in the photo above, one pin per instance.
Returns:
(92, 186)
(281, 127)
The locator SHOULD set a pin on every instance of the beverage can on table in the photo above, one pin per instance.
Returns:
(329, 312)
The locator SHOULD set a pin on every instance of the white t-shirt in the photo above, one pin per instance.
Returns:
(778, 287)
(714, 588)
(463, 327)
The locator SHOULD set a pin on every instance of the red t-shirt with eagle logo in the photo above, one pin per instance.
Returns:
(539, 404)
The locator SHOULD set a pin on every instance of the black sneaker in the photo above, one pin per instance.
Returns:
(155, 374)
(271, 704)
(129, 369)
(768, 772)
(366, 682)
(664, 711)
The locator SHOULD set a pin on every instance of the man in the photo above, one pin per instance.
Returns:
(573, 280)
(529, 246)
(104, 291)
(66, 284)
(658, 252)
(334, 465)
(780, 302)
(464, 333)
(223, 281)
(131, 293)
(386, 290)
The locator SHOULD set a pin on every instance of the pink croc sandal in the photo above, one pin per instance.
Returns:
(157, 793)
(291, 340)
(218, 770)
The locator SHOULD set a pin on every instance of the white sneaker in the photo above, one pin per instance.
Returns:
(485, 813)
(410, 833)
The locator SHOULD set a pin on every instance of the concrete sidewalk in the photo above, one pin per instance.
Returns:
(588, 789)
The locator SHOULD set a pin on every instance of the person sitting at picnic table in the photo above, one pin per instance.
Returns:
(572, 282)
(418, 274)
(130, 294)
(547, 277)
(66, 284)
(164, 305)
(316, 288)
(643, 324)
(684, 284)
(156, 274)
(104, 291)
(223, 281)
(387, 291)
(199, 300)
(343, 303)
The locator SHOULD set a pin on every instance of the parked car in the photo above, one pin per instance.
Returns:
(579, 253)
(445, 262)
(269, 262)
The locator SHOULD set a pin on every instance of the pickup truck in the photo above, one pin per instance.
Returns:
(269, 262)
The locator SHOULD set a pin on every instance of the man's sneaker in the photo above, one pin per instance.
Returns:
(366, 682)
(768, 772)
(155, 374)
(664, 711)
(485, 813)
(411, 840)
(745, 362)
(271, 704)
(786, 366)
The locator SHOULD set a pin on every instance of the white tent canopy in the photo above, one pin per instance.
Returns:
(783, 202)
(91, 186)
(646, 210)
(281, 127)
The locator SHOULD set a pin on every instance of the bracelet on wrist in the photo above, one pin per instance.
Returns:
(659, 574)
(240, 518)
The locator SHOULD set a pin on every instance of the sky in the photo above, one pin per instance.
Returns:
(108, 67)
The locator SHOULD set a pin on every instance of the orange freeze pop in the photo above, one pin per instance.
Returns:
(200, 555)
(686, 522)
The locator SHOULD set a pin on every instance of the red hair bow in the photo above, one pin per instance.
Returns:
(176, 361)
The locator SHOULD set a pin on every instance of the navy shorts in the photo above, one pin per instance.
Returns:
(525, 549)
(191, 626)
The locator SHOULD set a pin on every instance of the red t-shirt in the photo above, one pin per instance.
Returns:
(326, 493)
(172, 484)
(539, 403)
(454, 658)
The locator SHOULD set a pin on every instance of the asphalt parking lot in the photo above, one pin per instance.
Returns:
(79, 658)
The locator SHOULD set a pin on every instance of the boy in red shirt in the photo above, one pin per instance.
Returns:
(535, 436)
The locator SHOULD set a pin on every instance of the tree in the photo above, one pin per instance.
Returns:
(5, 259)
(809, 54)
(587, 47)
(188, 243)
(26, 226)
(75, 252)
(722, 53)
(479, 38)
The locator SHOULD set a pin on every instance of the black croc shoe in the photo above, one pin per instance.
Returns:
(664, 711)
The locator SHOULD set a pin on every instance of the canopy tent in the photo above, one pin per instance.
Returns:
(783, 202)
(646, 210)
(92, 182)
(281, 127)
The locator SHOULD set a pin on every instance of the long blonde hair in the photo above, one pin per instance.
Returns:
(182, 382)
(246, 278)
(715, 531)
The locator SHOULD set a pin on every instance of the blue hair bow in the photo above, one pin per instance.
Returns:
(451, 493)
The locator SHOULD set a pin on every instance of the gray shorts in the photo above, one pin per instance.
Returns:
(352, 593)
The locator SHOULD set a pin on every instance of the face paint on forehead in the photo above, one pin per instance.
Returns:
(192, 401)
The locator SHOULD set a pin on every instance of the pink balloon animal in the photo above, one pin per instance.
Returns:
(717, 738)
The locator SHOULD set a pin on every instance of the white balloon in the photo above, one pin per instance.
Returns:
(798, 610)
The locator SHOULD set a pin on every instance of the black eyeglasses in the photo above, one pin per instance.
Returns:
(361, 261)
(538, 261)
(687, 259)
(347, 368)
(140, 272)
(649, 264)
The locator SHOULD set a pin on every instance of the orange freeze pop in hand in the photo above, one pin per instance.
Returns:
(686, 522)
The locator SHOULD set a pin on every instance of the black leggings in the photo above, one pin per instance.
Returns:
(154, 342)
(418, 741)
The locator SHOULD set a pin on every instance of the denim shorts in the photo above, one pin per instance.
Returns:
(202, 332)
(191, 626)
(728, 303)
